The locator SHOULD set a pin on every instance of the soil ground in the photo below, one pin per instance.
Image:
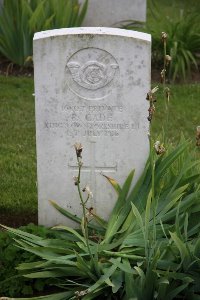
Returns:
(13, 220)
(9, 69)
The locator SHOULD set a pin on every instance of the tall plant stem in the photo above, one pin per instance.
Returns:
(154, 204)
(85, 221)
(165, 131)
(164, 64)
(85, 233)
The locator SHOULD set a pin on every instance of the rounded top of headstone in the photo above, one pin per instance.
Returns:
(92, 30)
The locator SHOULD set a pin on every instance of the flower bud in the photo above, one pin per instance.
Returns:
(79, 148)
(159, 148)
(76, 181)
(150, 95)
(164, 36)
(88, 191)
(168, 59)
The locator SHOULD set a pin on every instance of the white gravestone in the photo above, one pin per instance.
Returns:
(111, 13)
(90, 87)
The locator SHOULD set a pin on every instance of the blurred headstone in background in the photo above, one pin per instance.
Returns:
(112, 13)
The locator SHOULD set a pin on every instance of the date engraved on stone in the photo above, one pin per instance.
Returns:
(91, 73)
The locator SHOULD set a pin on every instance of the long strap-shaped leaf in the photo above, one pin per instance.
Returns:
(69, 215)
(141, 190)
(184, 253)
(82, 13)
(114, 184)
(71, 230)
(59, 296)
(113, 224)
(162, 168)
(103, 279)
(185, 204)
(22, 234)
(138, 196)
(56, 272)
(85, 267)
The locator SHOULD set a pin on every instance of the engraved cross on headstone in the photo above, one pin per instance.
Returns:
(92, 168)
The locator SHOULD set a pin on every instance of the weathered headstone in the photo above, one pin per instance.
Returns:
(111, 13)
(90, 87)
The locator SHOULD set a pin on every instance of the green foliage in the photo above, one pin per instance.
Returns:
(20, 19)
(18, 194)
(149, 248)
(183, 43)
(182, 109)
(11, 281)
(180, 20)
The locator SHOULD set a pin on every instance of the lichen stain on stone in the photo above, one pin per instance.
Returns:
(130, 72)
(134, 82)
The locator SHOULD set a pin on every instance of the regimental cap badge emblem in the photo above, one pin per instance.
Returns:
(93, 74)
(91, 69)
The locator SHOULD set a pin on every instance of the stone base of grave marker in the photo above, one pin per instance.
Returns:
(90, 87)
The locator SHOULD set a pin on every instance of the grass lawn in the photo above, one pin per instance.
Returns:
(18, 188)
(171, 8)
(17, 147)
(184, 115)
